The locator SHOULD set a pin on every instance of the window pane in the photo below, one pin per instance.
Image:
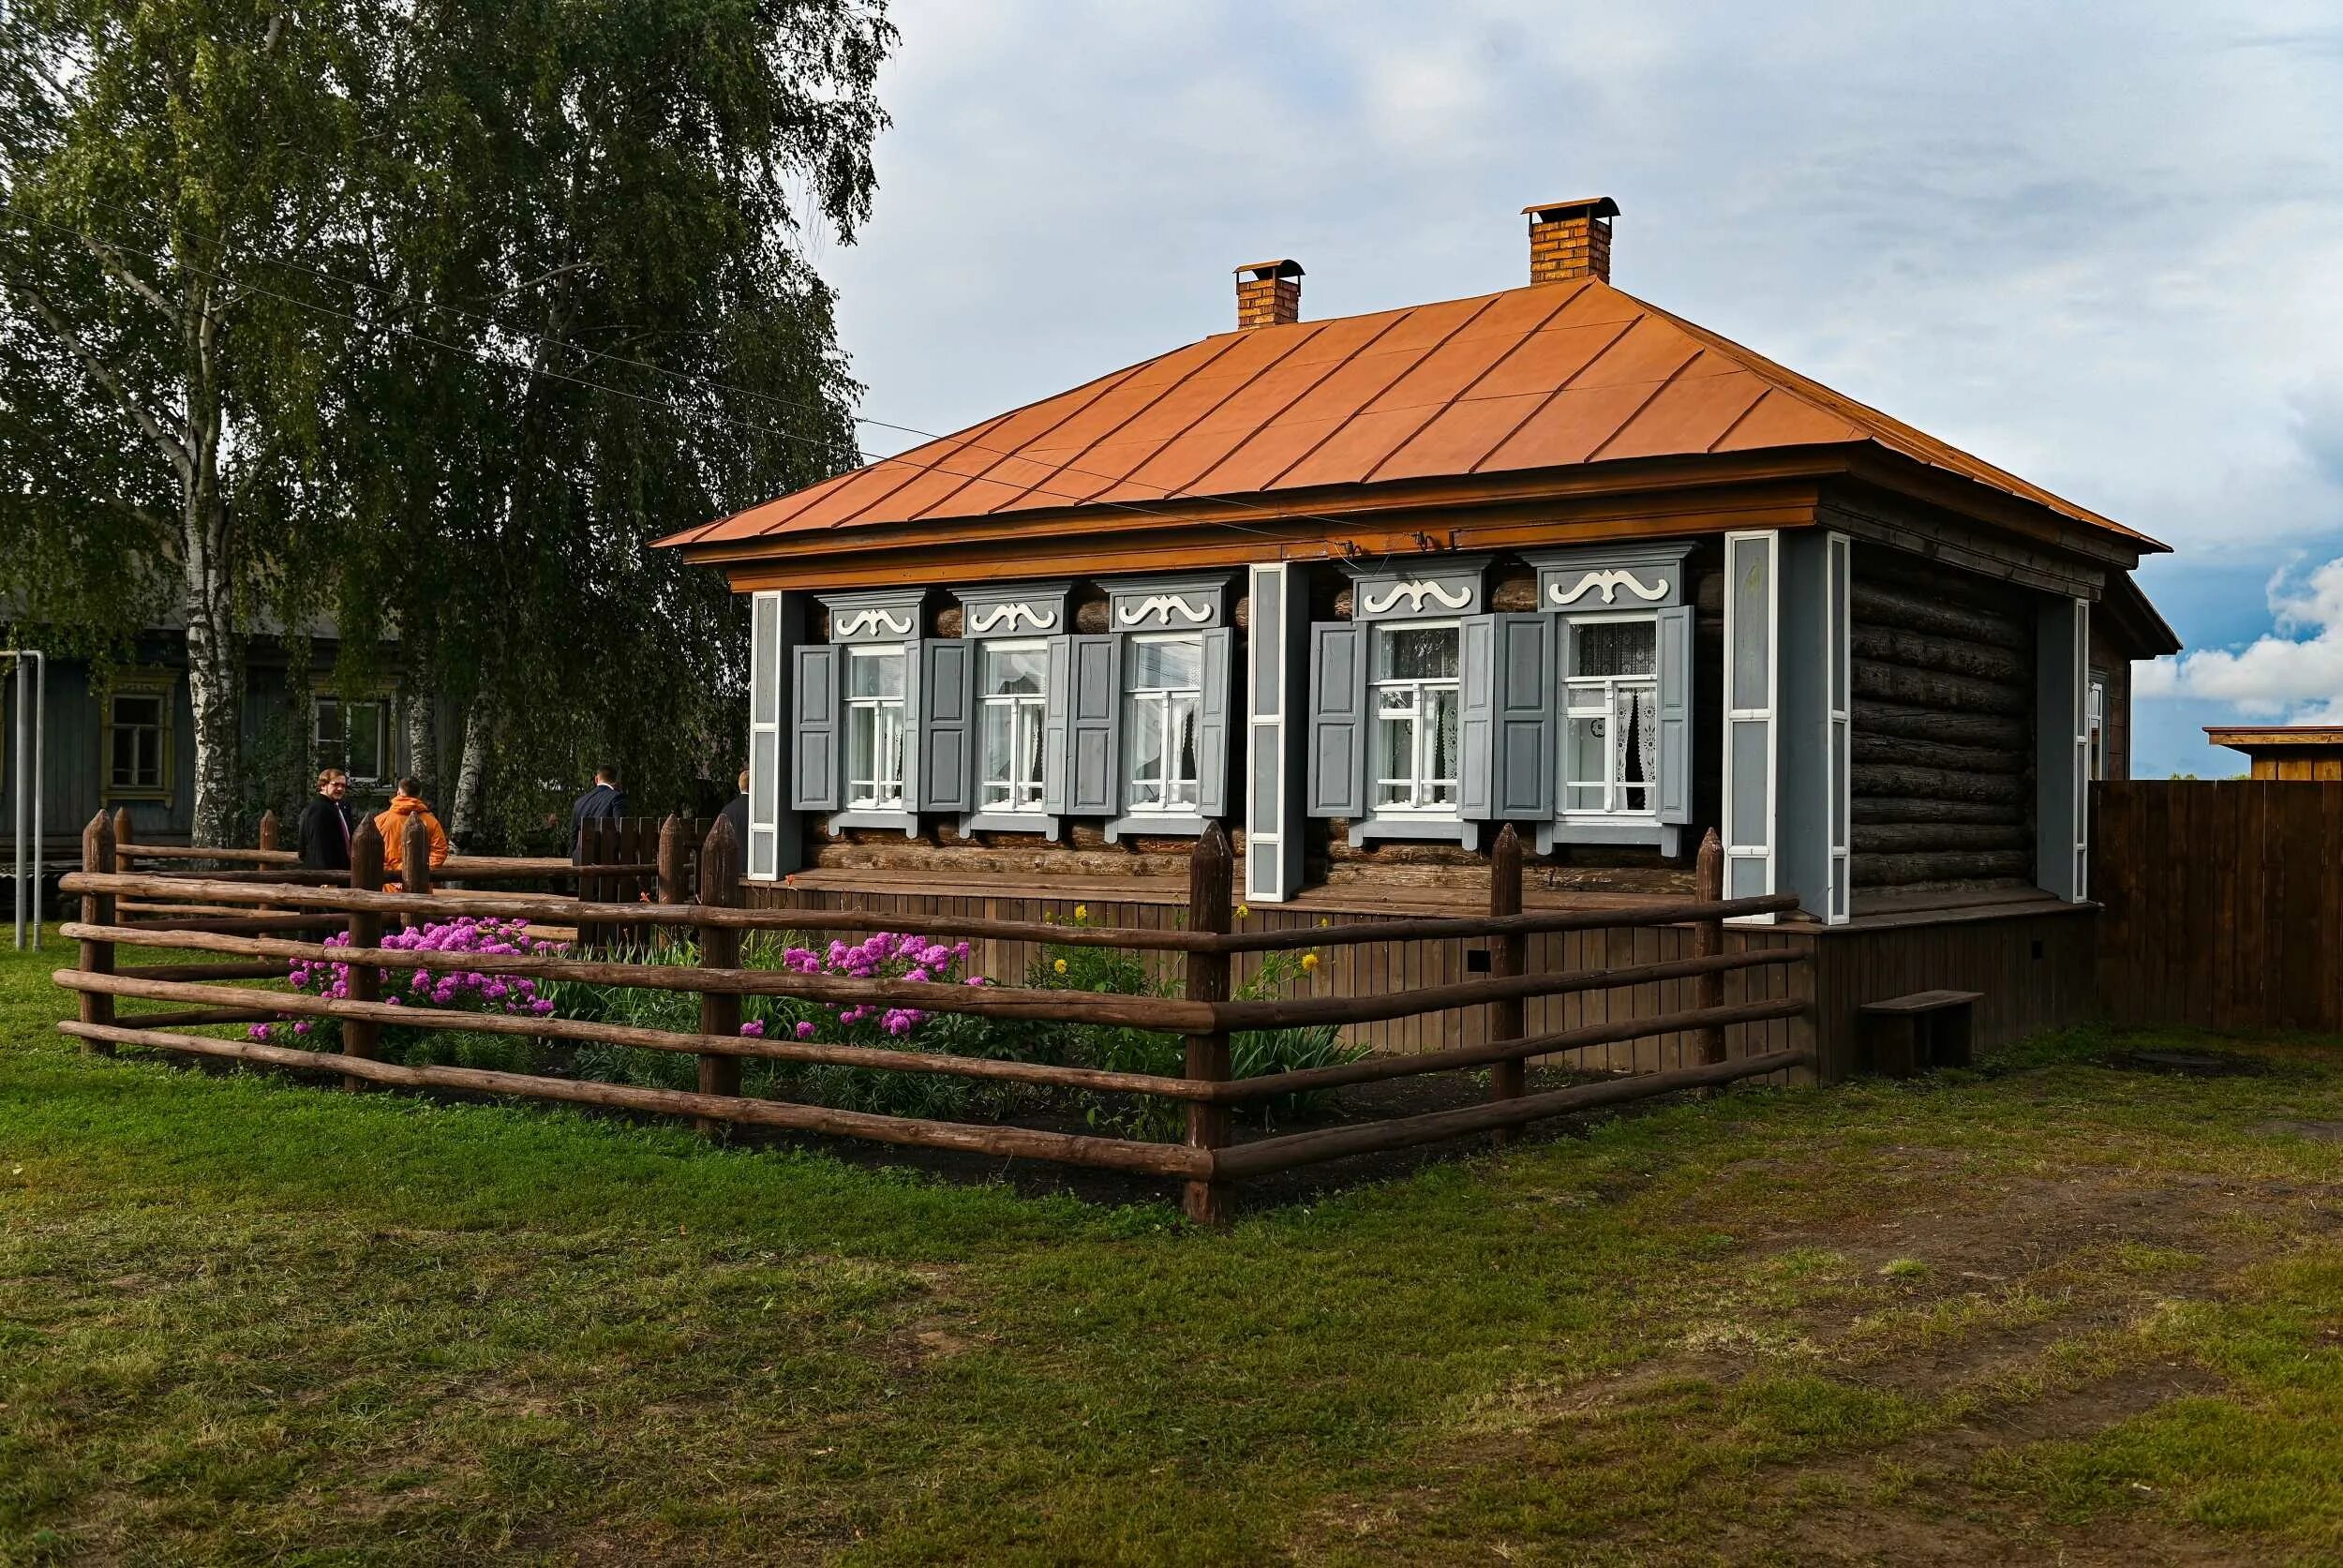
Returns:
(366, 739)
(1171, 661)
(1147, 751)
(1394, 759)
(874, 672)
(1638, 756)
(1184, 756)
(1023, 670)
(329, 722)
(861, 749)
(1440, 766)
(1416, 653)
(146, 711)
(998, 751)
(1613, 647)
(1749, 565)
(1029, 748)
(1586, 757)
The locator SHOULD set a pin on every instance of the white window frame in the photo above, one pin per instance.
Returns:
(1167, 731)
(2095, 723)
(1017, 703)
(333, 751)
(883, 794)
(1614, 787)
(1417, 783)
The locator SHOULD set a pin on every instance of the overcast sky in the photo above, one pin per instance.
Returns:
(2100, 246)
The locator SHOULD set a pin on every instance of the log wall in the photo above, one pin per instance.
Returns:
(1943, 726)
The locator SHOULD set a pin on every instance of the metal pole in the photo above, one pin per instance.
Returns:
(41, 737)
(23, 798)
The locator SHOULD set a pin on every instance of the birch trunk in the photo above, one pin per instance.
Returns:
(471, 778)
(214, 656)
(423, 740)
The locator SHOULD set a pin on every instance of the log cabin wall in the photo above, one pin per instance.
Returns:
(1943, 728)
(2111, 665)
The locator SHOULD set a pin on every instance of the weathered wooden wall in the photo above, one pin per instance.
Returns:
(2223, 902)
(1943, 778)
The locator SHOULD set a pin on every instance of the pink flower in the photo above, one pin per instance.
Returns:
(753, 1028)
(805, 1028)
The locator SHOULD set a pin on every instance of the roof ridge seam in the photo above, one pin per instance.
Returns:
(1650, 398)
(1464, 393)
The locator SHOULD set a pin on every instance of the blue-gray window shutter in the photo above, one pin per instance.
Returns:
(1675, 653)
(1525, 749)
(814, 724)
(1055, 705)
(1338, 720)
(948, 726)
(1476, 705)
(1094, 784)
(1211, 724)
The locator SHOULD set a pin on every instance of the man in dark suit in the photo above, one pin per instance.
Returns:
(326, 825)
(605, 801)
(736, 812)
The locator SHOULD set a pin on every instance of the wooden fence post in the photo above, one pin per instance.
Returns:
(1708, 942)
(414, 865)
(675, 873)
(97, 909)
(362, 1037)
(268, 829)
(719, 948)
(1211, 907)
(1507, 955)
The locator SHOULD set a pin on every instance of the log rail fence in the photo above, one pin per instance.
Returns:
(251, 923)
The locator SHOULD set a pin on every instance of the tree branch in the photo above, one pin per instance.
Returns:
(174, 450)
(112, 261)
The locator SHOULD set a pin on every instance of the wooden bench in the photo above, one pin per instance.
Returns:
(1915, 1034)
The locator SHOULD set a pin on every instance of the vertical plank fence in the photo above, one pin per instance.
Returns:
(2222, 902)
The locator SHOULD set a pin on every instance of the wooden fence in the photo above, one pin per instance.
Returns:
(1207, 1161)
(2222, 902)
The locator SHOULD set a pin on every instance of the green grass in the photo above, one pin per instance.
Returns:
(2047, 1308)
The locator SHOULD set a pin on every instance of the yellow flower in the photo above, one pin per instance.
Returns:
(1309, 962)
(1081, 911)
(1059, 966)
(1323, 922)
(1243, 910)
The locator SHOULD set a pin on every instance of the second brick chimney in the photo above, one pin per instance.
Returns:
(1268, 294)
(1571, 239)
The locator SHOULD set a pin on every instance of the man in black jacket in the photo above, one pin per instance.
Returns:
(605, 800)
(326, 825)
(736, 812)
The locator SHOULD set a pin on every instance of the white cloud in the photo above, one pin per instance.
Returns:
(2293, 673)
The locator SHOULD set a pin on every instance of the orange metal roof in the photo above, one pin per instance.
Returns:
(1547, 376)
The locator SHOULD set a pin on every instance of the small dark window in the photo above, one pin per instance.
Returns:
(1476, 960)
(2037, 947)
(134, 742)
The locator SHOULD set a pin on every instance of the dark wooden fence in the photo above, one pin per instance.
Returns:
(261, 906)
(2222, 902)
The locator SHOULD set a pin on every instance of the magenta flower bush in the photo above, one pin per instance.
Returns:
(884, 955)
(459, 989)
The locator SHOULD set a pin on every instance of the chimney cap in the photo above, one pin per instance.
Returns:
(1283, 266)
(1588, 206)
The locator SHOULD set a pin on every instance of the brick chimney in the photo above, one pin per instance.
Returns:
(1268, 294)
(1571, 239)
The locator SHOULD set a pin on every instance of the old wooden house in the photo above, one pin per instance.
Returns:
(1367, 587)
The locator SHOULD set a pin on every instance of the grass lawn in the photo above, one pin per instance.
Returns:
(2053, 1310)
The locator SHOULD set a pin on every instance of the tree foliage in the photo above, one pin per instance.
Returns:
(512, 289)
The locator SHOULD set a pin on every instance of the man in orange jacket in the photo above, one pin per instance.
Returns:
(405, 807)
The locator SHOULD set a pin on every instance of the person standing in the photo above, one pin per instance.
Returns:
(405, 807)
(736, 812)
(326, 824)
(605, 802)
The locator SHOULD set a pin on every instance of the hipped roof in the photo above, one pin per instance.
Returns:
(1550, 376)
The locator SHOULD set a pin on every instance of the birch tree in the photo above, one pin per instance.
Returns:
(174, 172)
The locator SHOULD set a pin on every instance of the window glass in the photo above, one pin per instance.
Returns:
(874, 729)
(1611, 726)
(1014, 681)
(1750, 566)
(367, 726)
(1163, 687)
(134, 740)
(1416, 718)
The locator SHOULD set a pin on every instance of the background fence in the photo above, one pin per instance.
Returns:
(2222, 903)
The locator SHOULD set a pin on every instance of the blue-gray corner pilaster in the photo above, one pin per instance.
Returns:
(2062, 734)
(776, 845)
(1277, 689)
(1811, 737)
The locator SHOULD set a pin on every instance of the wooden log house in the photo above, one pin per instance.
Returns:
(1367, 588)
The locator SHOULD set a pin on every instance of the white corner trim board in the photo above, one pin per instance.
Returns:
(1610, 583)
(1415, 593)
(863, 621)
(1040, 621)
(1163, 606)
